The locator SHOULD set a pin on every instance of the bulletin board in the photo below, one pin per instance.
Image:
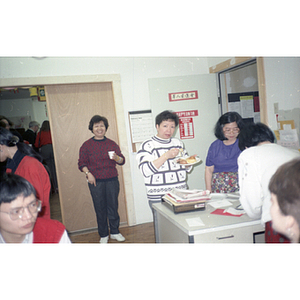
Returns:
(246, 104)
(141, 126)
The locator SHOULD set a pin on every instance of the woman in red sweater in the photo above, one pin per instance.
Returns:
(24, 161)
(102, 177)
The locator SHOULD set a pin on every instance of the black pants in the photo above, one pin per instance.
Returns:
(48, 156)
(105, 198)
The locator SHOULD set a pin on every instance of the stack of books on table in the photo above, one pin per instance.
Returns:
(186, 200)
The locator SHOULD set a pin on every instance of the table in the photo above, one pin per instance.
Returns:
(174, 228)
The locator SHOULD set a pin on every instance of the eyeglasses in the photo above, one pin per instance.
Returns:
(234, 130)
(17, 213)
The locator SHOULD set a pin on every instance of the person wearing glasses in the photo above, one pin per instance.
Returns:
(259, 160)
(22, 160)
(285, 200)
(19, 221)
(221, 169)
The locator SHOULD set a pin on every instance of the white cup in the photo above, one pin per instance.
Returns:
(111, 153)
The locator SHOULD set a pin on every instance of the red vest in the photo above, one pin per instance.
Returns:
(47, 231)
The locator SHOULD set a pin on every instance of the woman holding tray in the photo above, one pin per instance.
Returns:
(156, 159)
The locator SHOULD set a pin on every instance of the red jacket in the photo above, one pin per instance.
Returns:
(33, 171)
(47, 231)
(43, 138)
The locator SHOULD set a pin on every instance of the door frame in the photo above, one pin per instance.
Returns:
(121, 123)
(260, 78)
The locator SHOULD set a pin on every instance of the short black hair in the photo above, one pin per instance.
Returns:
(12, 186)
(165, 116)
(227, 118)
(97, 119)
(254, 133)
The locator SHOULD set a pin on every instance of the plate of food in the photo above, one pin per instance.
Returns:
(188, 160)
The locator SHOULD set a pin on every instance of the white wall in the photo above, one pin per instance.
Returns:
(134, 72)
(283, 87)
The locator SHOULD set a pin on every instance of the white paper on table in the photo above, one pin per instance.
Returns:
(234, 211)
(195, 222)
(219, 203)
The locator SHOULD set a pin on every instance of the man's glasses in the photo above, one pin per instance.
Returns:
(17, 213)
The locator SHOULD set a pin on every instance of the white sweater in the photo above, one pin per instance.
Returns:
(256, 166)
(170, 175)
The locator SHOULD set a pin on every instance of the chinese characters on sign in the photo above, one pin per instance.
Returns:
(183, 96)
(186, 124)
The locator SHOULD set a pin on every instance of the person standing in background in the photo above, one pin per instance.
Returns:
(102, 176)
(44, 142)
(30, 134)
(259, 160)
(221, 170)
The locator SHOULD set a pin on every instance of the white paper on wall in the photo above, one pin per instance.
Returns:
(288, 138)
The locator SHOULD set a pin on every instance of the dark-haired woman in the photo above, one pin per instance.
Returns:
(259, 160)
(24, 161)
(156, 159)
(102, 177)
(221, 170)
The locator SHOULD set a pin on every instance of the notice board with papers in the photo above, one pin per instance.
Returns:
(246, 104)
(141, 126)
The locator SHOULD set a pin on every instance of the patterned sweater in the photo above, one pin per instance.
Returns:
(93, 154)
(170, 175)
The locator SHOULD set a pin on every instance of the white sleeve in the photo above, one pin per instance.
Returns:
(145, 163)
(65, 238)
(250, 187)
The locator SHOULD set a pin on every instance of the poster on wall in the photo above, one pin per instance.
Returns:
(186, 123)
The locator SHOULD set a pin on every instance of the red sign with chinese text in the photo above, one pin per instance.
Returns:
(187, 113)
(186, 128)
(186, 123)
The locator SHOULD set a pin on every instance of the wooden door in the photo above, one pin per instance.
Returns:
(70, 108)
